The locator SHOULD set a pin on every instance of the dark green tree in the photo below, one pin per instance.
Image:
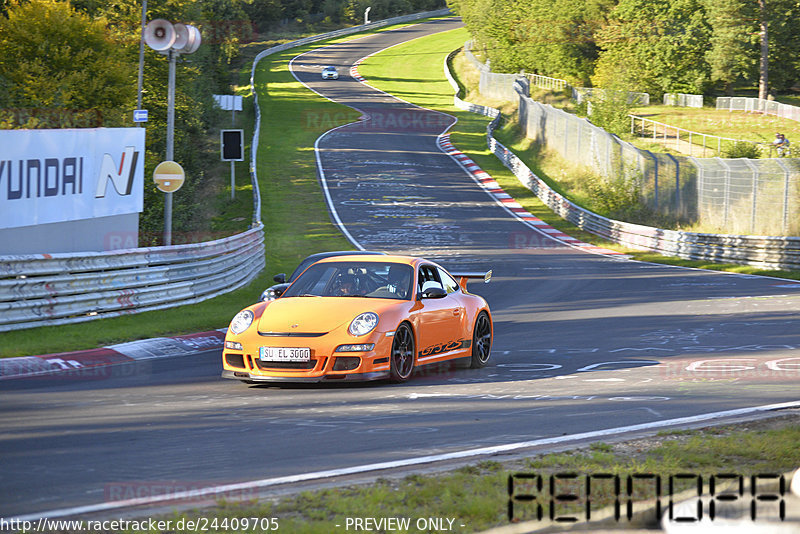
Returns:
(784, 44)
(732, 54)
(53, 57)
(655, 47)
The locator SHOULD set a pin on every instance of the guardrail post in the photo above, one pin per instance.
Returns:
(727, 193)
(754, 200)
(786, 173)
(677, 182)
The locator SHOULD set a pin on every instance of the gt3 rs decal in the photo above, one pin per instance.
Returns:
(441, 348)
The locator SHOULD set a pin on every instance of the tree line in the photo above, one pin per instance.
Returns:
(652, 46)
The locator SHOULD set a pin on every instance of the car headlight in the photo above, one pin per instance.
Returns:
(363, 324)
(242, 321)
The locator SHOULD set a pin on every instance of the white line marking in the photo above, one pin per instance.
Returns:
(420, 460)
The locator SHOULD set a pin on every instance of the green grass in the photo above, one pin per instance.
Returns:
(733, 124)
(477, 495)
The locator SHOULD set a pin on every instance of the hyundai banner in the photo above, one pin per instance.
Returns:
(49, 176)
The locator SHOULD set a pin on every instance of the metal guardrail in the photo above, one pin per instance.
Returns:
(546, 82)
(683, 100)
(761, 251)
(54, 289)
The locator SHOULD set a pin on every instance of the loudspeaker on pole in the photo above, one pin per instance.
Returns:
(187, 38)
(159, 34)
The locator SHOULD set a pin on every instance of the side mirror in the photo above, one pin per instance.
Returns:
(434, 293)
(280, 278)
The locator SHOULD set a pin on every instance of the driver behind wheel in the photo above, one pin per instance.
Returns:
(345, 285)
(399, 281)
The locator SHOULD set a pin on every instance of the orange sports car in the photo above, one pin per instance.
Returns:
(360, 318)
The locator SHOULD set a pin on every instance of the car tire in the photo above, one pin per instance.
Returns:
(481, 341)
(401, 360)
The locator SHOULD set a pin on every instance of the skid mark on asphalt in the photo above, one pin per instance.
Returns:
(490, 185)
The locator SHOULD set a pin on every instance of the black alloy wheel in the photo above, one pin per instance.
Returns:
(481, 341)
(402, 358)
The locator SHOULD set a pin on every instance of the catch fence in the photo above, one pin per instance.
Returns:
(727, 196)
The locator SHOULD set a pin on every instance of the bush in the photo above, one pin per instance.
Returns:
(615, 196)
(611, 111)
(742, 149)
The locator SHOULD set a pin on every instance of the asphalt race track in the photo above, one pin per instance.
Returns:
(583, 342)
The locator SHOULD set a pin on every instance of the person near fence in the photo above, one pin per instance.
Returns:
(781, 144)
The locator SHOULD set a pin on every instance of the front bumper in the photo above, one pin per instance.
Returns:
(325, 363)
(355, 377)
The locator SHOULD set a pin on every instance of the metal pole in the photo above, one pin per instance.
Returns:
(233, 164)
(170, 144)
(140, 83)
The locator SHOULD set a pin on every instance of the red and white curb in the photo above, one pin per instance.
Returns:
(354, 71)
(490, 185)
(90, 362)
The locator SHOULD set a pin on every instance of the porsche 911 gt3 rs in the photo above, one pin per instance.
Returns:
(360, 317)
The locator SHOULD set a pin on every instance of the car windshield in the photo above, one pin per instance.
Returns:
(354, 279)
(300, 268)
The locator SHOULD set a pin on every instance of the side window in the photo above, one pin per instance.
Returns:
(428, 277)
(449, 284)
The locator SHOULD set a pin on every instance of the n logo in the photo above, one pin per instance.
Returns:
(121, 177)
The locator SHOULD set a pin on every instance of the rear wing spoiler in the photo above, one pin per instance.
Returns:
(464, 277)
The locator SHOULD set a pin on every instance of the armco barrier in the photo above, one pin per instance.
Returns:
(761, 251)
(54, 289)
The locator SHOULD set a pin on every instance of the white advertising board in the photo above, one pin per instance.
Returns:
(49, 176)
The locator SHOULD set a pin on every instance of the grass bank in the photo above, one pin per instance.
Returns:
(475, 497)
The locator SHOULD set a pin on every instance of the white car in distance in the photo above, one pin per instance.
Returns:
(330, 73)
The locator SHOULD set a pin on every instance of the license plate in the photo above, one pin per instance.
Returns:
(284, 354)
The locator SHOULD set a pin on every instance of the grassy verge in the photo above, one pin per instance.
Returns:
(476, 496)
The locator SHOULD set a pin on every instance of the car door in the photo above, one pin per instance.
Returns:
(439, 319)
